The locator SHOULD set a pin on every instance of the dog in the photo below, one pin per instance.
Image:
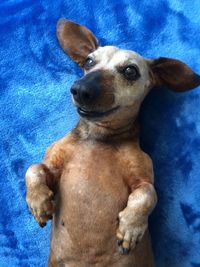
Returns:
(96, 183)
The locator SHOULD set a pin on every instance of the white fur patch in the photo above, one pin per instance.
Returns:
(35, 176)
(110, 58)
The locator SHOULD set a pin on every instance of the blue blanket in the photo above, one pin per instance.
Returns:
(36, 109)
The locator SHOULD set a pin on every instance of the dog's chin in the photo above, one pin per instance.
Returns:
(95, 115)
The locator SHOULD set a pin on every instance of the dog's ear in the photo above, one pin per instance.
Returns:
(174, 74)
(76, 40)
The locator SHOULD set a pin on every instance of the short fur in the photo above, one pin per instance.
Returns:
(96, 182)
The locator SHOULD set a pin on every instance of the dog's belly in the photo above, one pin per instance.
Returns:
(91, 194)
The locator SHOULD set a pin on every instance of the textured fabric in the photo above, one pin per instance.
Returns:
(36, 109)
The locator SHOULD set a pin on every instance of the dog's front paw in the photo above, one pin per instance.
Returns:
(40, 202)
(131, 229)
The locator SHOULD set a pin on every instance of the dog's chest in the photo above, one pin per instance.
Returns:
(91, 194)
(94, 177)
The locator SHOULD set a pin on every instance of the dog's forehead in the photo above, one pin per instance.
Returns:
(113, 56)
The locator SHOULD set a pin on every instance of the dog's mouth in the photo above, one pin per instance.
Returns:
(95, 114)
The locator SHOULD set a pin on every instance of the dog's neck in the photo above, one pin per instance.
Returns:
(106, 132)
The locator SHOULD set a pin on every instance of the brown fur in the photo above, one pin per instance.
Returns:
(107, 94)
(174, 74)
(88, 170)
(96, 181)
(78, 51)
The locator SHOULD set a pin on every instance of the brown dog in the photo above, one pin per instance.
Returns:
(96, 182)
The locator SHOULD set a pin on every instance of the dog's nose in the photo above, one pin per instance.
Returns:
(82, 93)
(86, 90)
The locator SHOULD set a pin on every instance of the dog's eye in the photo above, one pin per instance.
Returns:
(89, 63)
(131, 73)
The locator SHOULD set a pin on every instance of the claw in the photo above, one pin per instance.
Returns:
(42, 224)
(119, 242)
(125, 251)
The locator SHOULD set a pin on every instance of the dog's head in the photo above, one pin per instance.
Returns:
(116, 81)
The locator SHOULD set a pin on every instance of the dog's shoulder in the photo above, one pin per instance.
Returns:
(61, 150)
(136, 163)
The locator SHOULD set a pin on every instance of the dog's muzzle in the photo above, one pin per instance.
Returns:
(87, 90)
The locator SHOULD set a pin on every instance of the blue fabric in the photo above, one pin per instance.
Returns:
(36, 109)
